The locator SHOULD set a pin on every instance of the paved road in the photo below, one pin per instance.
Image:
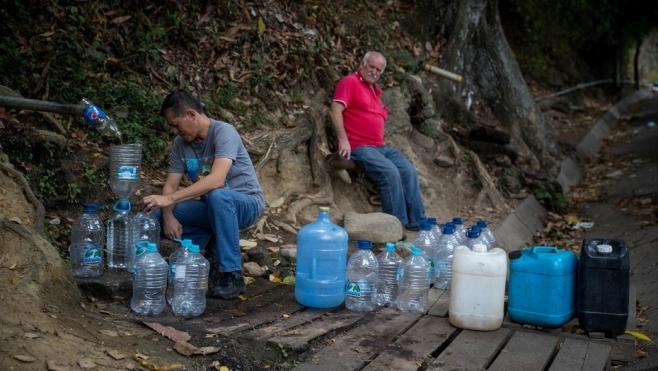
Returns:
(640, 180)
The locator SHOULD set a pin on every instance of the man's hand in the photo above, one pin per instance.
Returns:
(344, 148)
(156, 201)
(172, 227)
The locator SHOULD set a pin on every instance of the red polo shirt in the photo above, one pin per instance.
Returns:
(364, 114)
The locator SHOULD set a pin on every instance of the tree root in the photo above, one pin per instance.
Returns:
(488, 189)
(39, 210)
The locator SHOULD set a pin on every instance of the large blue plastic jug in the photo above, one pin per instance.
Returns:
(542, 285)
(321, 263)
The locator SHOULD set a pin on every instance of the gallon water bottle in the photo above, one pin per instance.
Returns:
(362, 270)
(149, 282)
(96, 118)
(120, 252)
(190, 284)
(443, 257)
(321, 263)
(474, 237)
(460, 229)
(145, 228)
(436, 228)
(387, 276)
(487, 235)
(477, 291)
(173, 259)
(125, 165)
(86, 249)
(414, 283)
(426, 242)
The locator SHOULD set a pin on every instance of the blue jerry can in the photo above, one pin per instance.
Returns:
(542, 285)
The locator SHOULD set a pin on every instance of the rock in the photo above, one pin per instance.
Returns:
(86, 363)
(444, 161)
(432, 128)
(253, 269)
(289, 252)
(424, 141)
(246, 244)
(398, 107)
(259, 256)
(376, 227)
(249, 280)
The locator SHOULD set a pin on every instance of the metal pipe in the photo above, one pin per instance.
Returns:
(443, 73)
(42, 105)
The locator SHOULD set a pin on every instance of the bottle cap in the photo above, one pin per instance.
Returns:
(433, 221)
(185, 243)
(448, 228)
(325, 208)
(415, 251)
(122, 205)
(390, 246)
(604, 249)
(473, 232)
(482, 224)
(425, 225)
(457, 220)
(478, 247)
(193, 248)
(90, 208)
(364, 244)
(151, 247)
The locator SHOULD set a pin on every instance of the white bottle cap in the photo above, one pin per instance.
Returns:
(478, 247)
(604, 249)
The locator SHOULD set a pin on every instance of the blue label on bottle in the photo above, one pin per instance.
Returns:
(140, 248)
(353, 289)
(172, 270)
(127, 173)
(92, 114)
(92, 255)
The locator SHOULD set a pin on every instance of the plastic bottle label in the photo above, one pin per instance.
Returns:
(172, 270)
(180, 272)
(92, 114)
(92, 255)
(139, 249)
(353, 289)
(127, 173)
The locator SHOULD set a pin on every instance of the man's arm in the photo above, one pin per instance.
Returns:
(171, 227)
(336, 114)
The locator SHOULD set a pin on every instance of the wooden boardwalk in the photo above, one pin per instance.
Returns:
(390, 340)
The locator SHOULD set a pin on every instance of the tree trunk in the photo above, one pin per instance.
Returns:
(477, 49)
(636, 63)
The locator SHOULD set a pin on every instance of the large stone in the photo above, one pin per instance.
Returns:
(376, 227)
(398, 121)
(252, 269)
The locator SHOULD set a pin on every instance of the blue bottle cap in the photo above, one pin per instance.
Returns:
(482, 224)
(90, 208)
(390, 246)
(193, 248)
(416, 251)
(473, 232)
(364, 244)
(122, 205)
(151, 247)
(185, 243)
(425, 225)
(448, 228)
(433, 221)
(457, 220)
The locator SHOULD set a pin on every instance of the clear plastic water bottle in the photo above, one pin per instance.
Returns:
(149, 282)
(414, 283)
(173, 259)
(120, 252)
(436, 228)
(460, 229)
(145, 228)
(190, 284)
(474, 237)
(387, 276)
(487, 235)
(97, 119)
(362, 270)
(443, 257)
(425, 240)
(125, 168)
(86, 249)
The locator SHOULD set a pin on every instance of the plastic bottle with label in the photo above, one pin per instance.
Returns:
(173, 259)
(149, 282)
(97, 119)
(414, 283)
(120, 250)
(387, 276)
(487, 235)
(86, 249)
(443, 257)
(190, 284)
(362, 270)
(425, 240)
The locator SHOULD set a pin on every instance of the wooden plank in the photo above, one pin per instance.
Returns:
(581, 355)
(526, 351)
(440, 307)
(298, 338)
(353, 349)
(282, 325)
(414, 348)
(471, 350)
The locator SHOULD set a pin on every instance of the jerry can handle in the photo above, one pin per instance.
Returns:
(543, 250)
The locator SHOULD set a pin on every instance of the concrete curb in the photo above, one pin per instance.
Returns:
(529, 216)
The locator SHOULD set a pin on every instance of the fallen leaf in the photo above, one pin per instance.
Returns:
(261, 25)
(275, 278)
(285, 316)
(168, 332)
(188, 349)
(246, 244)
(243, 298)
(115, 354)
(234, 312)
(144, 362)
(119, 20)
(24, 358)
(54, 366)
(86, 363)
(16, 220)
(109, 333)
(31, 335)
(289, 280)
(278, 202)
(639, 335)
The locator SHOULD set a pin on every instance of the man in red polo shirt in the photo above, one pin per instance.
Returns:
(358, 117)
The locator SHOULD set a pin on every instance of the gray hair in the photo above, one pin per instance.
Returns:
(371, 54)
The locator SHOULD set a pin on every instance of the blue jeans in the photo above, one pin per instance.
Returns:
(397, 180)
(222, 212)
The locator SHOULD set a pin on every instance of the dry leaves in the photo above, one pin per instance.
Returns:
(24, 358)
(143, 361)
(168, 332)
(188, 349)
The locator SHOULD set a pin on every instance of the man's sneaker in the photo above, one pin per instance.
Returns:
(231, 285)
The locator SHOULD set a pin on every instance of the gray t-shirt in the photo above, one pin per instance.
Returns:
(223, 141)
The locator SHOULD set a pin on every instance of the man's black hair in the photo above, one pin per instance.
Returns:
(178, 101)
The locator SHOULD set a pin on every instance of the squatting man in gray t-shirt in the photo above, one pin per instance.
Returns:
(225, 195)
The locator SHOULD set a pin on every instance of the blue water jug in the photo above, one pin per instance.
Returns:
(542, 285)
(321, 263)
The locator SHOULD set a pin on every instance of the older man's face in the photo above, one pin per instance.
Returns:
(372, 69)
